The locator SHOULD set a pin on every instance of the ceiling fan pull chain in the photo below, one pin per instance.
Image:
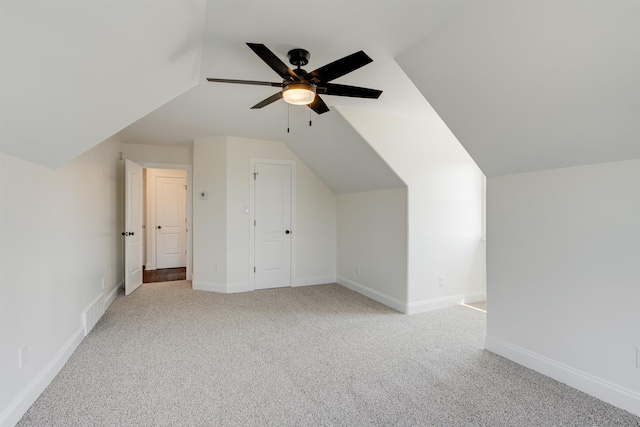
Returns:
(288, 107)
(309, 117)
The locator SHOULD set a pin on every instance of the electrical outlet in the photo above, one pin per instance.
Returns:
(442, 281)
(23, 358)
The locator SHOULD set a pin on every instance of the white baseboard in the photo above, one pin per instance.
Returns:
(199, 285)
(603, 390)
(224, 288)
(444, 302)
(111, 296)
(392, 302)
(239, 287)
(310, 281)
(16, 409)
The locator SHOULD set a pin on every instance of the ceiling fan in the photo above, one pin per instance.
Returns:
(302, 88)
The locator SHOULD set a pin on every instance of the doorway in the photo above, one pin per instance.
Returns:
(140, 252)
(165, 236)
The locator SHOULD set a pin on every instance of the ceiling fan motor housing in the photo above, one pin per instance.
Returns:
(299, 57)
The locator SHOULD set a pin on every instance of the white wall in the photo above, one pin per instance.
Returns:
(140, 153)
(445, 198)
(210, 214)
(60, 238)
(315, 249)
(563, 271)
(372, 244)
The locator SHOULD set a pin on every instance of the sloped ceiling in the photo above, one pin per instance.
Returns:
(524, 85)
(329, 30)
(533, 85)
(76, 72)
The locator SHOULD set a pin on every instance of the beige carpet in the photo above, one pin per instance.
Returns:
(312, 356)
(480, 305)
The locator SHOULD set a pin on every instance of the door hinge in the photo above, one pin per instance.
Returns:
(254, 269)
(185, 188)
(255, 174)
(254, 222)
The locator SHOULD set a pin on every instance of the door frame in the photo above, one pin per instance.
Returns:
(189, 169)
(252, 188)
(151, 203)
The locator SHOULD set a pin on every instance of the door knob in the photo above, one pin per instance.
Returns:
(287, 231)
(124, 233)
(131, 233)
(159, 227)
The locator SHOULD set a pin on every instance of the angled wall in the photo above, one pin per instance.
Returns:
(446, 253)
(75, 73)
(532, 85)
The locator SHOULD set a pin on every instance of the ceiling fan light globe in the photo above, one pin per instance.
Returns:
(299, 93)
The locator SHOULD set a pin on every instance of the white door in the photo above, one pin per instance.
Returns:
(272, 226)
(171, 222)
(133, 227)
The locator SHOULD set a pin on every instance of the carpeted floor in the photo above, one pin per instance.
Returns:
(312, 356)
(480, 305)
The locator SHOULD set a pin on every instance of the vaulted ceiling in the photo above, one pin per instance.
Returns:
(527, 86)
(75, 73)
(524, 85)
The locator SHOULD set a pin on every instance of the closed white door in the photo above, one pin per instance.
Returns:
(133, 227)
(272, 226)
(171, 222)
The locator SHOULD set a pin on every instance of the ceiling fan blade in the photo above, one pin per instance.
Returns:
(318, 105)
(339, 68)
(273, 61)
(245, 82)
(269, 100)
(353, 91)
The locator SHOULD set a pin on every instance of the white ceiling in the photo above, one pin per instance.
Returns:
(75, 72)
(527, 86)
(524, 85)
(329, 30)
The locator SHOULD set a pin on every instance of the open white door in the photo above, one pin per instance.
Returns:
(133, 227)
(272, 226)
